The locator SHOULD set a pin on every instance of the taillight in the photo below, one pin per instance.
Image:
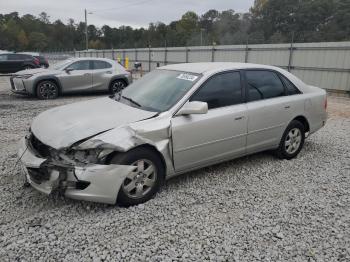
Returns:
(325, 103)
(36, 61)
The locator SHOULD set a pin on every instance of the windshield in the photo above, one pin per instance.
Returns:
(158, 90)
(61, 65)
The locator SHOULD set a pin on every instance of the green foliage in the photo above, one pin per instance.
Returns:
(268, 21)
(37, 41)
(308, 20)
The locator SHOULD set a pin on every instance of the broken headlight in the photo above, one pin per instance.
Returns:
(92, 156)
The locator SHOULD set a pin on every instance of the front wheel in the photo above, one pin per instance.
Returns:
(292, 141)
(116, 86)
(47, 90)
(144, 182)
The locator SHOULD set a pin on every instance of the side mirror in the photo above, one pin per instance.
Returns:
(193, 107)
(68, 70)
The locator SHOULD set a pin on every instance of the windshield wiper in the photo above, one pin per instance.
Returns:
(132, 101)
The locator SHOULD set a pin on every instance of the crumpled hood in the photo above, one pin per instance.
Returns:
(63, 126)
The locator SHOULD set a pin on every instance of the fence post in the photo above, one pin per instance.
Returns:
(103, 53)
(149, 59)
(187, 50)
(124, 56)
(291, 48)
(246, 53)
(165, 55)
(113, 54)
(213, 53)
(136, 55)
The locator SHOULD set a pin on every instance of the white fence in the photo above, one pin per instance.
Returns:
(326, 65)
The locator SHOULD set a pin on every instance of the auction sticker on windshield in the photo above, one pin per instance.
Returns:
(188, 77)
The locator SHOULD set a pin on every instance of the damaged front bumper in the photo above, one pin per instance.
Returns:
(92, 182)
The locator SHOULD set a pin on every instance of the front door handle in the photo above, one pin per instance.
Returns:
(239, 118)
(287, 107)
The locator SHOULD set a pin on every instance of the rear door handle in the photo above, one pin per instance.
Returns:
(287, 107)
(239, 118)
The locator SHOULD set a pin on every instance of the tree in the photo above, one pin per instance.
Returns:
(268, 21)
(22, 40)
(37, 41)
(43, 17)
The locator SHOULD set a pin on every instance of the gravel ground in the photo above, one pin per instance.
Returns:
(255, 208)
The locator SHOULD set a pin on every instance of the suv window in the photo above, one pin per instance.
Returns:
(221, 90)
(263, 85)
(80, 65)
(19, 57)
(3, 57)
(292, 89)
(13, 57)
(100, 65)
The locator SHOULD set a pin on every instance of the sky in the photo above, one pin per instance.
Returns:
(135, 13)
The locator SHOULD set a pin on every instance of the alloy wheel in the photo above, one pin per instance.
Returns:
(117, 86)
(141, 181)
(293, 140)
(48, 90)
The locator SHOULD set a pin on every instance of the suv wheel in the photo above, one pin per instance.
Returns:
(47, 90)
(117, 86)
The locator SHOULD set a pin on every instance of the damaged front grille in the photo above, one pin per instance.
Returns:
(42, 149)
(38, 175)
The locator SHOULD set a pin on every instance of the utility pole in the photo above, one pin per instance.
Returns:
(86, 32)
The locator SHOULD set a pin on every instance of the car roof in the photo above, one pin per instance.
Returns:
(16, 54)
(211, 67)
(216, 67)
(92, 58)
(29, 53)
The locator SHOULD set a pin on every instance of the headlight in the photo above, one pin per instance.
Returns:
(92, 156)
(24, 76)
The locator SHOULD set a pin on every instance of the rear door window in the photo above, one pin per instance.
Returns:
(291, 88)
(263, 85)
(81, 65)
(100, 65)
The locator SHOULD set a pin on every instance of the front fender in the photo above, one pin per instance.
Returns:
(155, 132)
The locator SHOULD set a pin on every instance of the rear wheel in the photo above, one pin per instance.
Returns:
(47, 90)
(117, 86)
(292, 141)
(144, 182)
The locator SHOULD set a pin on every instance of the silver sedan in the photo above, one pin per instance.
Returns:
(72, 75)
(175, 119)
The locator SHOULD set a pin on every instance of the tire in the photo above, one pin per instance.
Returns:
(47, 89)
(116, 86)
(140, 186)
(292, 141)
